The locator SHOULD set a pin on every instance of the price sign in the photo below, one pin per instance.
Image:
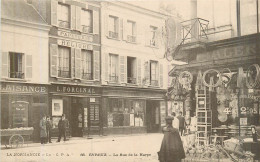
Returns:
(243, 121)
(227, 110)
(243, 110)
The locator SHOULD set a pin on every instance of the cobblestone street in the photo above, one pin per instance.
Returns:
(132, 148)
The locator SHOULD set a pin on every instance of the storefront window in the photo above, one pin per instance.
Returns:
(125, 112)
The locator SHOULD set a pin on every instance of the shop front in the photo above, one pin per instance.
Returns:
(21, 106)
(81, 106)
(128, 111)
(221, 83)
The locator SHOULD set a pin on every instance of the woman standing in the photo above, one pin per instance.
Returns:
(171, 147)
(43, 133)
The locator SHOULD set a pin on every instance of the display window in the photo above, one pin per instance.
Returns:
(126, 112)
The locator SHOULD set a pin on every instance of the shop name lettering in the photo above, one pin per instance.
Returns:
(16, 88)
(75, 36)
(75, 90)
(75, 44)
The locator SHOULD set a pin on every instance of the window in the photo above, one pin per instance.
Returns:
(131, 36)
(86, 62)
(153, 36)
(64, 62)
(16, 65)
(63, 16)
(125, 112)
(131, 70)
(113, 26)
(154, 73)
(86, 21)
(113, 62)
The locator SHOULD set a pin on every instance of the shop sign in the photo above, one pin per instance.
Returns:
(75, 36)
(72, 44)
(243, 121)
(74, 89)
(22, 88)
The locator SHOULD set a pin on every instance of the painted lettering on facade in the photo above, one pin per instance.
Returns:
(72, 44)
(23, 88)
(75, 89)
(75, 36)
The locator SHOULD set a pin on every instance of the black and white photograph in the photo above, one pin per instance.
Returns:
(130, 81)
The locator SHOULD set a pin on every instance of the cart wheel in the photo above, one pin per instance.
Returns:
(16, 141)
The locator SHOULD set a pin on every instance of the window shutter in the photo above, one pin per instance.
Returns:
(105, 67)
(161, 75)
(73, 17)
(124, 29)
(54, 60)
(139, 75)
(96, 70)
(28, 69)
(5, 66)
(78, 18)
(78, 63)
(147, 72)
(106, 18)
(72, 52)
(54, 16)
(121, 29)
(147, 36)
(123, 69)
(95, 22)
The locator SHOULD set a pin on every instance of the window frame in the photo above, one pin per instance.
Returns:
(153, 36)
(90, 27)
(21, 74)
(85, 62)
(115, 32)
(116, 72)
(60, 15)
(61, 61)
(131, 31)
(154, 81)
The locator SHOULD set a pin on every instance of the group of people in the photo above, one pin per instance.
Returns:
(46, 129)
(172, 148)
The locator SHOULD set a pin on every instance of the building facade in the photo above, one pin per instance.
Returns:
(74, 64)
(133, 74)
(220, 82)
(24, 53)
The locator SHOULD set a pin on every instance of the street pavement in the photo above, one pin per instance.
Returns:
(125, 148)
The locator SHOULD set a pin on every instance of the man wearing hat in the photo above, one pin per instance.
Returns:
(171, 147)
(62, 127)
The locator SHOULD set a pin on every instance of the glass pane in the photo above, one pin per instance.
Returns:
(248, 17)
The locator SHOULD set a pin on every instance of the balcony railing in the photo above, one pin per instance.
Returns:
(86, 29)
(113, 34)
(194, 30)
(154, 82)
(17, 75)
(113, 78)
(63, 24)
(64, 72)
(131, 80)
(87, 76)
(131, 38)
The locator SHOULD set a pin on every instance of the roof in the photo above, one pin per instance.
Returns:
(20, 10)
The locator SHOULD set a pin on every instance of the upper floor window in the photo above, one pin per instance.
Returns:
(87, 21)
(131, 28)
(153, 36)
(16, 65)
(113, 66)
(87, 64)
(113, 26)
(64, 62)
(63, 16)
(154, 73)
(131, 70)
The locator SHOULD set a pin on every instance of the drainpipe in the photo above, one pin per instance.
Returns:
(238, 19)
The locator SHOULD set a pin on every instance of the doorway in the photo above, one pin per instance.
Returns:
(76, 118)
(152, 116)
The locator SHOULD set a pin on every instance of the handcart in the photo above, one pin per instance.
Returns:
(15, 137)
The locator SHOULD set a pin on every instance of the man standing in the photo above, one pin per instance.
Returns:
(43, 133)
(181, 123)
(175, 123)
(48, 128)
(171, 147)
(62, 128)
